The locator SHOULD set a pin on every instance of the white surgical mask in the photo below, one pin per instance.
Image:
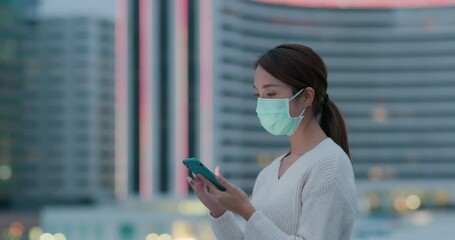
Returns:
(275, 117)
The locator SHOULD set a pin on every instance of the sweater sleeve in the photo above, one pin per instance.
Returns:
(327, 214)
(225, 227)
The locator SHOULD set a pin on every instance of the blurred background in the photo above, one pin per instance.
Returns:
(101, 100)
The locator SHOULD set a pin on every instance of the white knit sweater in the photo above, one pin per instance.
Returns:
(314, 199)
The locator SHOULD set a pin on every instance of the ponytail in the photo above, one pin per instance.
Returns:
(332, 122)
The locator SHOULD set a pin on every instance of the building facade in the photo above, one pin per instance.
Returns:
(10, 85)
(68, 108)
(12, 32)
(390, 72)
(391, 76)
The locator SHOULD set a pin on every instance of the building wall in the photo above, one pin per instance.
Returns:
(69, 111)
(10, 86)
(391, 72)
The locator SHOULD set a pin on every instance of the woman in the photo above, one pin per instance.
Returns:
(308, 193)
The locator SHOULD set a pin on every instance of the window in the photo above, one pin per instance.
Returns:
(82, 138)
(55, 183)
(79, 94)
(82, 153)
(83, 182)
(81, 35)
(56, 50)
(81, 168)
(55, 153)
(82, 108)
(81, 49)
(55, 168)
(55, 109)
(56, 138)
(82, 123)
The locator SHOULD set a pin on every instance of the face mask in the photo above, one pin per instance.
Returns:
(274, 115)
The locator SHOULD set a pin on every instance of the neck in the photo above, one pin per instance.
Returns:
(307, 136)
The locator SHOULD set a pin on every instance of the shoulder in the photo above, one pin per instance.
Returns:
(331, 164)
(331, 173)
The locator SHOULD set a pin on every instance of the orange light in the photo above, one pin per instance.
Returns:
(400, 204)
(16, 229)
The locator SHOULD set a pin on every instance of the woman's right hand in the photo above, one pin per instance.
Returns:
(208, 200)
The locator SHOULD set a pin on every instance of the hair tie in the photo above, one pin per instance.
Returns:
(326, 98)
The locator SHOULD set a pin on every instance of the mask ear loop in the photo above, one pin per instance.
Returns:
(292, 98)
(297, 94)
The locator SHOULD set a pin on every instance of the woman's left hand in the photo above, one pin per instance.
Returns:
(233, 199)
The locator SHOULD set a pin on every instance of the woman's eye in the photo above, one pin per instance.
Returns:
(256, 94)
(270, 94)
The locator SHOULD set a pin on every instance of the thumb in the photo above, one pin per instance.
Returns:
(217, 171)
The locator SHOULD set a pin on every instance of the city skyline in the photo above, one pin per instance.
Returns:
(178, 76)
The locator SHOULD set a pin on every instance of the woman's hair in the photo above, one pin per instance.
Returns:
(300, 67)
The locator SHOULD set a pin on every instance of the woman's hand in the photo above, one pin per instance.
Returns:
(208, 200)
(233, 199)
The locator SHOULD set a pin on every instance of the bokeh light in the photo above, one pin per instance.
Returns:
(5, 172)
(375, 173)
(421, 218)
(165, 237)
(35, 233)
(152, 236)
(59, 236)
(413, 202)
(47, 236)
(16, 229)
(400, 204)
(379, 114)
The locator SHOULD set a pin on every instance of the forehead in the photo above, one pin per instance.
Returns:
(262, 77)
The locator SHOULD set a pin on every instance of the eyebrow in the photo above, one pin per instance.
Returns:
(269, 85)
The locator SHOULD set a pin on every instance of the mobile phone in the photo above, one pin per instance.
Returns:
(196, 167)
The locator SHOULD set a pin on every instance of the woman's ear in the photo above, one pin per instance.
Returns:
(307, 97)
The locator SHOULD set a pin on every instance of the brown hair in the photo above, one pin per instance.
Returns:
(300, 67)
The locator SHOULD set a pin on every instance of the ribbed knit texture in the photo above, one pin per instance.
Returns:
(314, 199)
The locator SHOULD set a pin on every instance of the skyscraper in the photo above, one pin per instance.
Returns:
(68, 111)
(10, 86)
(390, 71)
(156, 84)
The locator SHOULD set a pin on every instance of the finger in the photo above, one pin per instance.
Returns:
(204, 180)
(211, 187)
(217, 171)
(198, 180)
(191, 182)
(224, 182)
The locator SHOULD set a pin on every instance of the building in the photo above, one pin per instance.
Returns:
(12, 14)
(391, 75)
(391, 71)
(157, 94)
(68, 106)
